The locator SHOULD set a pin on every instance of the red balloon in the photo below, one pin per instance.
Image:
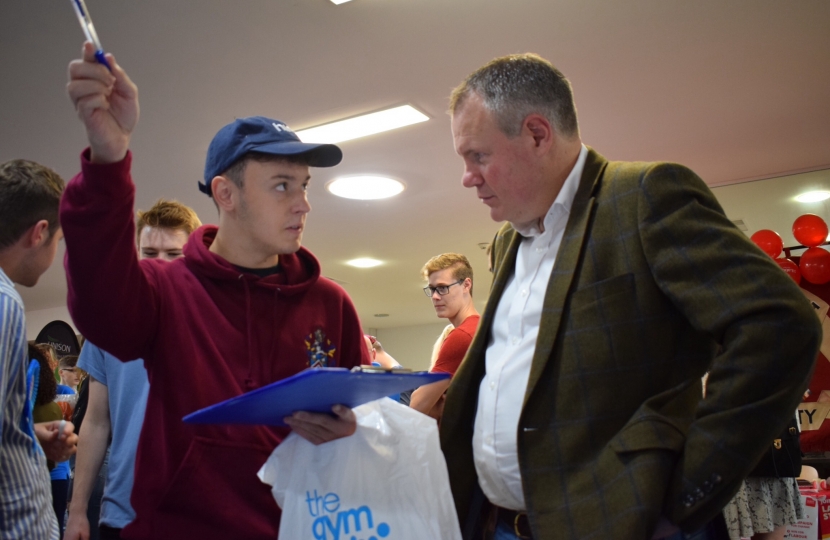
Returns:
(769, 242)
(790, 268)
(810, 230)
(815, 265)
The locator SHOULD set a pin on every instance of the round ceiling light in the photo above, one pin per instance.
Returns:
(365, 187)
(813, 196)
(364, 262)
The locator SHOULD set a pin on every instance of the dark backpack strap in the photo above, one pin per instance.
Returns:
(81, 404)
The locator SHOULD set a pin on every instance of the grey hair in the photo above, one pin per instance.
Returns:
(513, 87)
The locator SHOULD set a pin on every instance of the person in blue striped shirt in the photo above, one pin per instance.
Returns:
(29, 234)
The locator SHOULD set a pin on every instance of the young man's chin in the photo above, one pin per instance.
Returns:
(28, 280)
(289, 249)
(31, 272)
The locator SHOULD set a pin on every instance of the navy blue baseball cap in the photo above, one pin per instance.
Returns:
(264, 136)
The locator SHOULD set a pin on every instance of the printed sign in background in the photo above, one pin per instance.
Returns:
(61, 336)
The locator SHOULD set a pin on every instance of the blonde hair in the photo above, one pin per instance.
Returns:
(459, 263)
(167, 215)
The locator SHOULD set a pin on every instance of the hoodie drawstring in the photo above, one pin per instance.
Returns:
(249, 380)
(274, 335)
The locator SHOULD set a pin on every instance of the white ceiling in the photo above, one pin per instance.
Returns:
(736, 90)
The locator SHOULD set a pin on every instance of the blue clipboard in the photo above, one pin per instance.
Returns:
(313, 390)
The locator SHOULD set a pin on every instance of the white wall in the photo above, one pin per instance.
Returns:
(37, 319)
(411, 346)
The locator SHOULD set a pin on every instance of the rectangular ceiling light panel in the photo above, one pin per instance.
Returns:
(361, 126)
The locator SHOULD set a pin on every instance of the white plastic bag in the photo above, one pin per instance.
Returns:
(387, 481)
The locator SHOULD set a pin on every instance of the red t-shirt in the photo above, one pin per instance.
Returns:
(455, 346)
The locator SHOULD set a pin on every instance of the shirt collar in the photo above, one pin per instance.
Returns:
(5, 279)
(564, 199)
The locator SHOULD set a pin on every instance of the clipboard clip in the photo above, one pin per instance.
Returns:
(379, 369)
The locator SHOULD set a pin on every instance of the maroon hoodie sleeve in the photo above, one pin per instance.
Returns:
(111, 300)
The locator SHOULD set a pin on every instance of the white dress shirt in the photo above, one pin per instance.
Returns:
(510, 351)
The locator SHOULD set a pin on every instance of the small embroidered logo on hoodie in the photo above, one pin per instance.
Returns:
(320, 349)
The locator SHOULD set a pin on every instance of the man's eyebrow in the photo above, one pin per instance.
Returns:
(283, 176)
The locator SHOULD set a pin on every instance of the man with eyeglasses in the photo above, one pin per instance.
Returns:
(450, 287)
(69, 373)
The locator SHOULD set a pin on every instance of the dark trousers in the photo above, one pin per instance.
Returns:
(484, 524)
(108, 533)
(60, 494)
(714, 530)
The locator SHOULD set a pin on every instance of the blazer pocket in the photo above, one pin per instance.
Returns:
(601, 325)
(600, 292)
(648, 434)
(636, 469)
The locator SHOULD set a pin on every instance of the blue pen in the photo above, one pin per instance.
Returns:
(89, 30)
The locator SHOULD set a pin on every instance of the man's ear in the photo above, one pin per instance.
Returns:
(224, 193)
(36, 235)
(540, 129)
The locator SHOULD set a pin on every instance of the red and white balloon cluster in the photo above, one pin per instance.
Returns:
(811, 231)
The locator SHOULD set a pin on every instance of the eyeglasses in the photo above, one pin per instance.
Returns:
(442, 289)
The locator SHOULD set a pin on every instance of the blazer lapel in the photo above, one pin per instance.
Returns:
(512, 239)
(564, 269)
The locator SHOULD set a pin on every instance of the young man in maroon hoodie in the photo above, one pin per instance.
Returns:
(244, 307)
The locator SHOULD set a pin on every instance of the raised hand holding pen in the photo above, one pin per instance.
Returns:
(89, 31)
(106, 103)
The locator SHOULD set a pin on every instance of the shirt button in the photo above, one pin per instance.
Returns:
(489, 441)
(515, 340)
(524, 292)
(539, 250)
(492, 385)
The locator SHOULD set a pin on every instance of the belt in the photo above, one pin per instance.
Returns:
(517, 520)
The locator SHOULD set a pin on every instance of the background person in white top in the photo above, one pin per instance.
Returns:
(577, 412)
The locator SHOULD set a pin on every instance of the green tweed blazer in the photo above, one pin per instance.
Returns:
(652, 287)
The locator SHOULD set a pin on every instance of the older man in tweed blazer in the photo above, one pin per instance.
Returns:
(577, 412)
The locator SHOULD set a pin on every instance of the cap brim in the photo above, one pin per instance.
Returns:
(319, 155)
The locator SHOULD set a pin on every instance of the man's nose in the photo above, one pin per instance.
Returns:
(470, 178)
